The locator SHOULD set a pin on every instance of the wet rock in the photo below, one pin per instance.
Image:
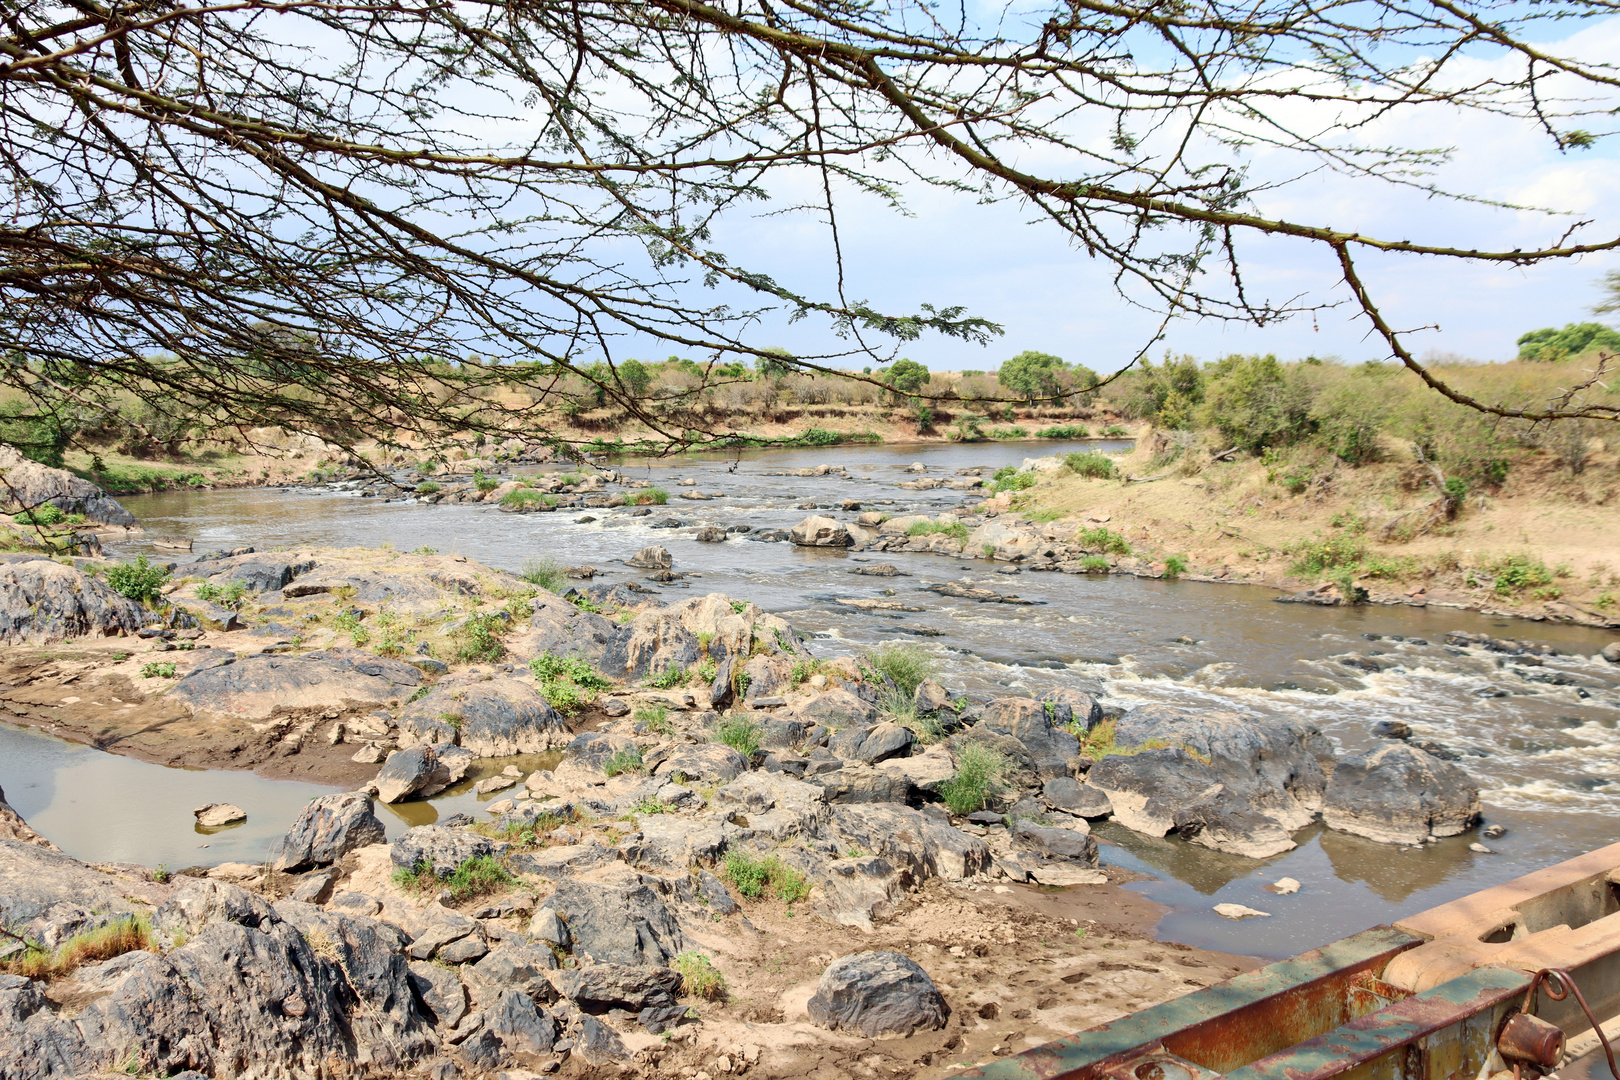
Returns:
(880, 569)
(495, 718)
(1398, 794)
(769, 536)
(256, 687)
(218, 815)
(818, 531)
(707, 762)
(710, 534)
(327, 829)
(618, 916)
(421, 771)
(1392, 729)
(599, 987)
(30, 484)
(877, 993)
(1225, 821)
(1611, 652)
(651, 558)
(438, 847)
(441, 991)
(1145, 789)
(42, 601)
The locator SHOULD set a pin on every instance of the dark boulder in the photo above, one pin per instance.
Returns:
(878, 993)
(599, 987)
(872, 744)
(329, 828)
(421, 771)
(440, 848)
(620, 917)
(1398, 794)
(41, 601)
(493, 718)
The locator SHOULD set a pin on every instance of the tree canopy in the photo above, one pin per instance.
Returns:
(308, 213)
(1573, 340)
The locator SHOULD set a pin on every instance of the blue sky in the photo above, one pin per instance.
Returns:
(1053, 298)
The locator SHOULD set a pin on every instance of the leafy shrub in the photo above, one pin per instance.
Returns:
(1008, 478)
(158, 669)
(1103, 539)
(478, 876)
(230, 596)
(906, 665)
(1320, 556)
(1094, 564)
(478, 638)
(1114, 431)
(1063, 431)
(45, 514)
(647, 497)
(576, 669)
(738, 732)
(1175, 566)
(1255, 402)
(544, 573)
(669, 678)
(754, 876)
(980, 774)
(1516, 573)
(139, 581)
(566, 698)
(1549, 344)
(954, 529)
(699, 977)
(484, 483)
(1091, 464)
(1014, 432)
(624, 761)
(428, 487)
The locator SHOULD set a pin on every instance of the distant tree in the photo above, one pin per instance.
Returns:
(774, 362)
(1255, 403)
(908, 376)
(635, 376)
(1611, 289)
(1168, 394)
(1573, 340)
(1033, 374)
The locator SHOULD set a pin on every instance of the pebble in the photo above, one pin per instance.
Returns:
(1481, 848)
(1494, 832)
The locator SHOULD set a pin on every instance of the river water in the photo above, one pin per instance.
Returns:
(1546, 756)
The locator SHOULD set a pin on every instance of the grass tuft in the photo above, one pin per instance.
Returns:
(699, 976)
(103, 943)
(738, 732)
(980, 774)
(754, 877)
(478, 876)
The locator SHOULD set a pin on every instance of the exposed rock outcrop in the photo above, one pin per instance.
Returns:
(42, 601)
(1398, 794)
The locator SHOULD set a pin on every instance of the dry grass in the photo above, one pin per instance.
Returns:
(114, 939)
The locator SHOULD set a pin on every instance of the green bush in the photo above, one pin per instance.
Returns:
(980, 774)
(699, 977)
(656, 719)
(44, 515)
(1175, 566)
(754, 876)
(546, 574)
(1516, 573)
(1168, 394)
(954, 529)
(906, 665)
(647, 497)
(1094, 564)
(624, 761)
(230, 596)
(485, 484)
(1255, 402)
(1091, 464)
(478, 876)
(1008, 478)
(738, 732)
(1103, 539)
(139, 581)
(428, 487)
(158, 669)
(1014, 432)
(1320, 556)
(669, 678)
(1114, 431)
(528, 497)
(1063, 431)
(478, 638)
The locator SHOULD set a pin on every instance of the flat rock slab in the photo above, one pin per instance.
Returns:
(255, 687)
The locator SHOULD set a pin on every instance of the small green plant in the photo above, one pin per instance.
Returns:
(231, 596)
(478, 638)
(1092, 465)
(1516, 573)
(158, 669)
(425, 550)
(548, 667)
(907, 666)
(545, 574)
(1063, 431)
(160, 873)
(955, 530)
(585, 603)
(1114, 431)
(1094, 564)
(1008, 478)
(139, 581)
(624, 761)
(980, 774)
(785, 643)
(669, 678)
(428, 487)
(803, 670)
(754, 877)
(699, 977)
(484, 483)
(1014, 432)
(647, 497)
(738, 732)
(1103, 539)
(478, 876)
(103, 943)
(454, 719)
(522, 497)
(655, 718)
(1175, 566)
(45, 514)
(651, 804)
(739, 606)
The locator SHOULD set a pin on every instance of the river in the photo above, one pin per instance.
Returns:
(1546, 756)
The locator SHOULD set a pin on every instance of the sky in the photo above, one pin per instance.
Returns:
(1048, 296)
